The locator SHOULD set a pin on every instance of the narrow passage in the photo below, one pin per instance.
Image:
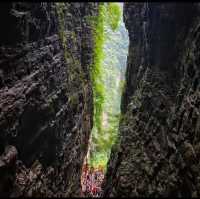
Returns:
(105, 134)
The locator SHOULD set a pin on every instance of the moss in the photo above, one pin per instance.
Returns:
(75, 72)
(60, 8)
(105, 12)
(107, 15)
(97, 70)
(74, 100)
(114, 15)
(73, 36)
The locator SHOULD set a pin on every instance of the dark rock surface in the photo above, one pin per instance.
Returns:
(45, 97)
(159, 149)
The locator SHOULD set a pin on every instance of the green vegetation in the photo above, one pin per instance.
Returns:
(107, 74)
(114, 15)
(60, 8)
(97, 69)
(74, 70)
(107, 77)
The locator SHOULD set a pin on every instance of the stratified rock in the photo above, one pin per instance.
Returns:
(158, 153)
(46, 50)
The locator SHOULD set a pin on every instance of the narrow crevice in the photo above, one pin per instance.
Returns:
(105, 131)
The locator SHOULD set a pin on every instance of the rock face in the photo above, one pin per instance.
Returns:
(159, 149)
(45, 97)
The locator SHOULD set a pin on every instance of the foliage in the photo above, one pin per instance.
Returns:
(97, 69)
(114, 15)
(107, 73)
(99, 159)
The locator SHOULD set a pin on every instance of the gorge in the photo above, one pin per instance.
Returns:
(47, 100)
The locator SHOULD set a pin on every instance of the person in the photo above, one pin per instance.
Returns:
(88, 184)
(93, 190)
(84, 188)
(84, 178)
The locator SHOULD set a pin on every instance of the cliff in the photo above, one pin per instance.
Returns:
(159, 148)
(45, 97)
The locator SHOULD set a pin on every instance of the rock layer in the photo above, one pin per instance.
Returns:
(159, 148)
(45, 97)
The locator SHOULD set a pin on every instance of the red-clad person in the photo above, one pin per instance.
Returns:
(94, 191)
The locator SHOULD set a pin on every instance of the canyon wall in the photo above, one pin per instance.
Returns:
(45, 97)
(158, 151)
